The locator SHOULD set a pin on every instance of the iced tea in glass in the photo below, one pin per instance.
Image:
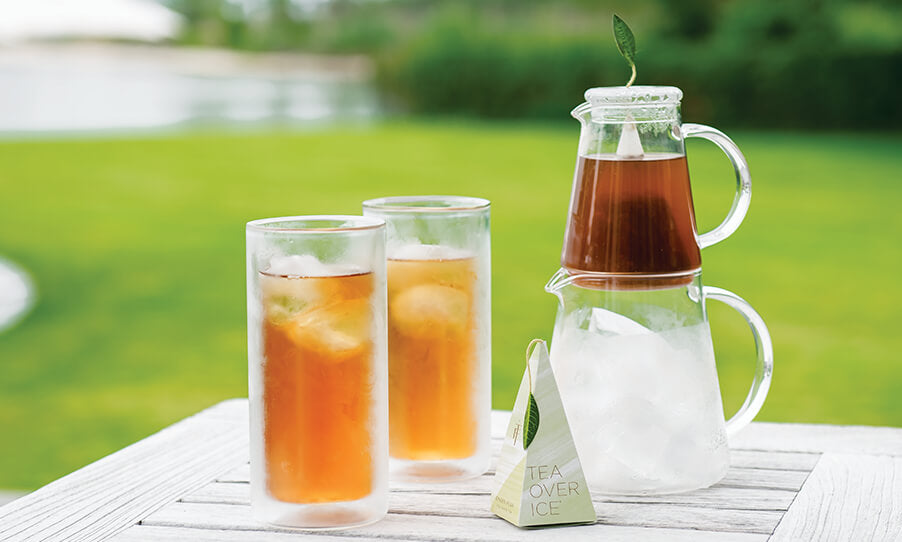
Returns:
(438, 334)
(317, 354)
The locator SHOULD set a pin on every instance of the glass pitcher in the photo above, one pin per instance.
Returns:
(634, 362)
(631, 207)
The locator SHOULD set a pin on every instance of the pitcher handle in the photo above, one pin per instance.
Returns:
(765, 351)
(743, 196)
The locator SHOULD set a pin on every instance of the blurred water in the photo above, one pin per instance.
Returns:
(91, 87)
(54, 89)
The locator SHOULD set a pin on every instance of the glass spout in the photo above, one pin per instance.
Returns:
(582, 113)
(558, 281)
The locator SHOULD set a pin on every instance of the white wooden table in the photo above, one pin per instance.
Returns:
(190, 482)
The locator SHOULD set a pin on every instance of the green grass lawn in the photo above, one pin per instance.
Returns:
(137, 250)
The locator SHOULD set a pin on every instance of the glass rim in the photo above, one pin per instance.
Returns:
(355, 223)
(630, 280)
(638, 96)
(407, 204)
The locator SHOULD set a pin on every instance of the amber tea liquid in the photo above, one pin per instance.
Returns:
(317, 387)
(631, 216)
(432, 359)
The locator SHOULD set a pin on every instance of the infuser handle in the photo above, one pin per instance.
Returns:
(743, 196)
(765, 352)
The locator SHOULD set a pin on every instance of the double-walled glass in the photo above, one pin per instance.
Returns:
(317, 366)
(439, 334)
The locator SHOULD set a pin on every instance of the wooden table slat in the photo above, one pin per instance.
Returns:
(117, 491)
(713, 497)
(764, 478)
(757, 459)
(740, 459)
(788, 480)
(819, 438)
(148, 533)
(477, 506)
(439, 527)
(869, 506)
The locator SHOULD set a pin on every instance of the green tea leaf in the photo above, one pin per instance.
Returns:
(530, 421)
(626, 44)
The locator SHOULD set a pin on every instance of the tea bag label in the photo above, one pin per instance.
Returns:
(539, 481)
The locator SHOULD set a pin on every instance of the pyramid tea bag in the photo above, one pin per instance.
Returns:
(629, 145)
(539, 480)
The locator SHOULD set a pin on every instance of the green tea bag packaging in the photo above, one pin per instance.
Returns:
(539, 479)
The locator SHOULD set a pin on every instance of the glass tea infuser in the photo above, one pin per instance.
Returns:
(632, 349)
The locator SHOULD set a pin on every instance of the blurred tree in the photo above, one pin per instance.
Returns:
(690, 20)
(750, 62)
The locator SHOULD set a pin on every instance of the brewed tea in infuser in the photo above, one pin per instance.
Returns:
(631, 207)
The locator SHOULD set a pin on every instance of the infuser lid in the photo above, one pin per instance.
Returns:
(643, 96)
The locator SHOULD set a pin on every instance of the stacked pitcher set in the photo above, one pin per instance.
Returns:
(631, 350)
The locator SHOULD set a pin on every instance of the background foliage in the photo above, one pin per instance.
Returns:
(801, 64)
